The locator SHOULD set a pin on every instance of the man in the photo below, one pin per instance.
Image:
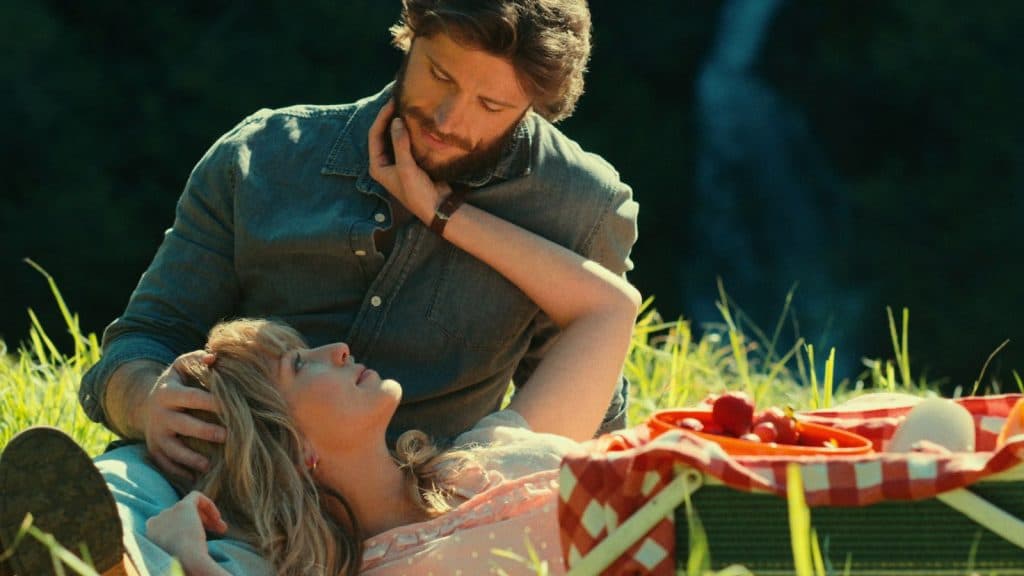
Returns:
(282, 218)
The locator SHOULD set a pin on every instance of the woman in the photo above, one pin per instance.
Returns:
(306, 474)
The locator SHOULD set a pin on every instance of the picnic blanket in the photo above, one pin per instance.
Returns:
(608, 479)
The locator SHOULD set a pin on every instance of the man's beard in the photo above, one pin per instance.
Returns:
(477, 160)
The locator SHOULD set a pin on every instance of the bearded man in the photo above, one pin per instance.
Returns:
(282, 218)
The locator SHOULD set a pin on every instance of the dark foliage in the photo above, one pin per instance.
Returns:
(916, 105)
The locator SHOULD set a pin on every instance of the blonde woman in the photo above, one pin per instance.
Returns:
(306, 475)
(305, 482)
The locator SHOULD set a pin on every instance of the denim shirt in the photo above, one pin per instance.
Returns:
(277, 220)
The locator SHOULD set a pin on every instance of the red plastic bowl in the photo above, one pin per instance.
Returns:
(815, 439)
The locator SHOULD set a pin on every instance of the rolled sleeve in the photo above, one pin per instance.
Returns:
(613, 235)
(609, 243)
(94, 382)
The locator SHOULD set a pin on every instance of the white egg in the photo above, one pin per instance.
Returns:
(937, 420)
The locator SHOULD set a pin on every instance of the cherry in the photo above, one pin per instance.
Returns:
(785, 426)
(766, 431)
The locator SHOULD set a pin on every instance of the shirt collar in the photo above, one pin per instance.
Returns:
(349, 154)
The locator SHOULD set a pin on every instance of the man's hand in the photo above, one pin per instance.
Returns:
(166, 420)
(403, 178)
(181, 531)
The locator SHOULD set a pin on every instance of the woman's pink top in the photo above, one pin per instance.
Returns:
(508, 523)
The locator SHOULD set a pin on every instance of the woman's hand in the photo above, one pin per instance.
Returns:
(181, 531)
(402, 176)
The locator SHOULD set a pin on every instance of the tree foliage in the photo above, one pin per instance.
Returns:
(917, 106)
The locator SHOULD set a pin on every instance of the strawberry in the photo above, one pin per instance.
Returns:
(713, 428)
(734, 412)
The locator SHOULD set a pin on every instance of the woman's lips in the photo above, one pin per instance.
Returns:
(363, 375)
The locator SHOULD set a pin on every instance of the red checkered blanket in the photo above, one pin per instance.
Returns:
(611, 477)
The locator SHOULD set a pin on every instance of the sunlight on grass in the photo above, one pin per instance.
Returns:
(39, 384)
(699, 559)
(669, 365)
(532, 561)
(59, 556)
(800, 533)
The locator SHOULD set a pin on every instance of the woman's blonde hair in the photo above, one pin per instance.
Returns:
(259, 478)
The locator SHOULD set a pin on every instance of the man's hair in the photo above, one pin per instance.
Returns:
(547, 41)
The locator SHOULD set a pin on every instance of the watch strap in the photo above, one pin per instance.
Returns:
(448, 207)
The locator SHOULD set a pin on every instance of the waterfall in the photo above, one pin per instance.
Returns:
(770, 211)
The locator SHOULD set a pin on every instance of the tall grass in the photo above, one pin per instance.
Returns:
(39, 383)
(668, 365)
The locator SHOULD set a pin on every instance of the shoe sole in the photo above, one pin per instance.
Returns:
(45, 473)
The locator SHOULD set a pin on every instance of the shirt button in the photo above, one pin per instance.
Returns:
(360, 252)
(379, 217)
(375, 301)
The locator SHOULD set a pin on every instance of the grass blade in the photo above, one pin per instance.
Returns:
(698, 561)
(782, 321)
(904, 358)
(799, 522)
(37, 331)
(814, 376)
(977, 382)
(69, 319)
(830, 366)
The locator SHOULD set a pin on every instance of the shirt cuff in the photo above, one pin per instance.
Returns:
(125, 349)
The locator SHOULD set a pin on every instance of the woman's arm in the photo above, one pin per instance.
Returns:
(568, 393)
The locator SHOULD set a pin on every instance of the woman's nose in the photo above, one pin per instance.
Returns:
(338, 353)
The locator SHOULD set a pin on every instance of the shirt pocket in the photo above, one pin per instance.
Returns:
(476, 306)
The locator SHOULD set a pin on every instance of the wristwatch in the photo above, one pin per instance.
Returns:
(448, 207)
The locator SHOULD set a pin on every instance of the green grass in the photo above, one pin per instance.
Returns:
(39, 383)
(667, 365)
